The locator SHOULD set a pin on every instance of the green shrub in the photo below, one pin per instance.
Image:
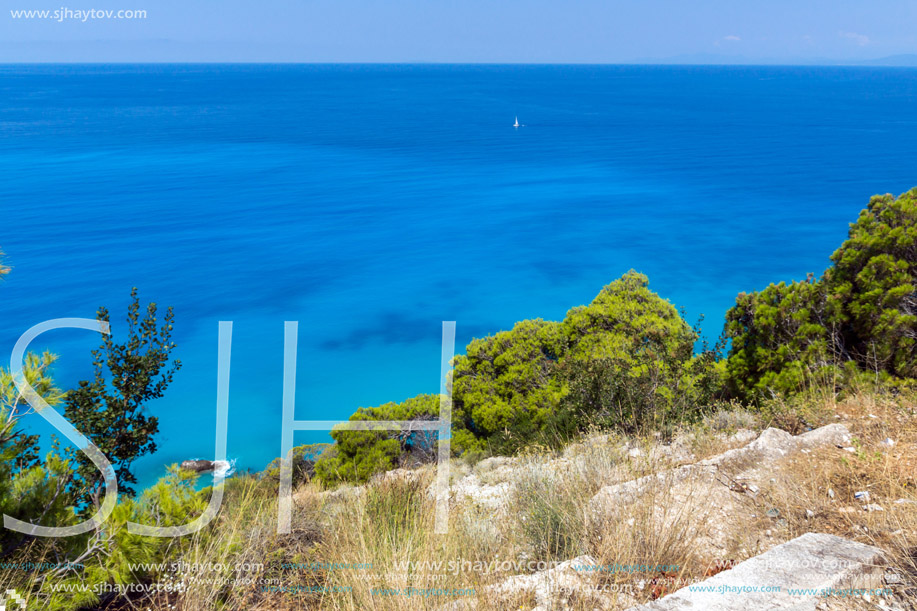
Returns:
(30, 490)
(626, 360)
(861, 315)
(505, 386)
(112, 555)
(304, 459)
(873, 286)
(357, 455)
(632, 361)
(778, 342)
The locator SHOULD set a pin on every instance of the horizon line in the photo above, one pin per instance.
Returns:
(827, 64)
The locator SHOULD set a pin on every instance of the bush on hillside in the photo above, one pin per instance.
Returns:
(861, 315)
(357, 455)
(303, 461)
(632, 362)
(873, 286)
(626, 360)
(30, 488)
(506, 386)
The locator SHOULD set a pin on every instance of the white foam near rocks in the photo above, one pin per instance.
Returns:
(224, 468)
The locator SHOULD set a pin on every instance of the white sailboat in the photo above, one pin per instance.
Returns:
(517, 124)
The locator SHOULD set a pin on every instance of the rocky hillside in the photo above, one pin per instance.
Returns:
(615, 523)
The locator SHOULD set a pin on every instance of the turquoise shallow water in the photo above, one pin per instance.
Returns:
(372, 202)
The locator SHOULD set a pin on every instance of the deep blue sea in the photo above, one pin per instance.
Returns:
(370, 203)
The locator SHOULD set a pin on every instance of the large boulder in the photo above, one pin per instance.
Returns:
(704, 500)
(742, 464)
(198, 466)
(796, 576)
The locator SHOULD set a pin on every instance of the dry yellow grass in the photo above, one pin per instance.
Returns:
(387, 525)
(817, 491)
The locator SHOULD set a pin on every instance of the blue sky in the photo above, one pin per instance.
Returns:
(596, 31)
